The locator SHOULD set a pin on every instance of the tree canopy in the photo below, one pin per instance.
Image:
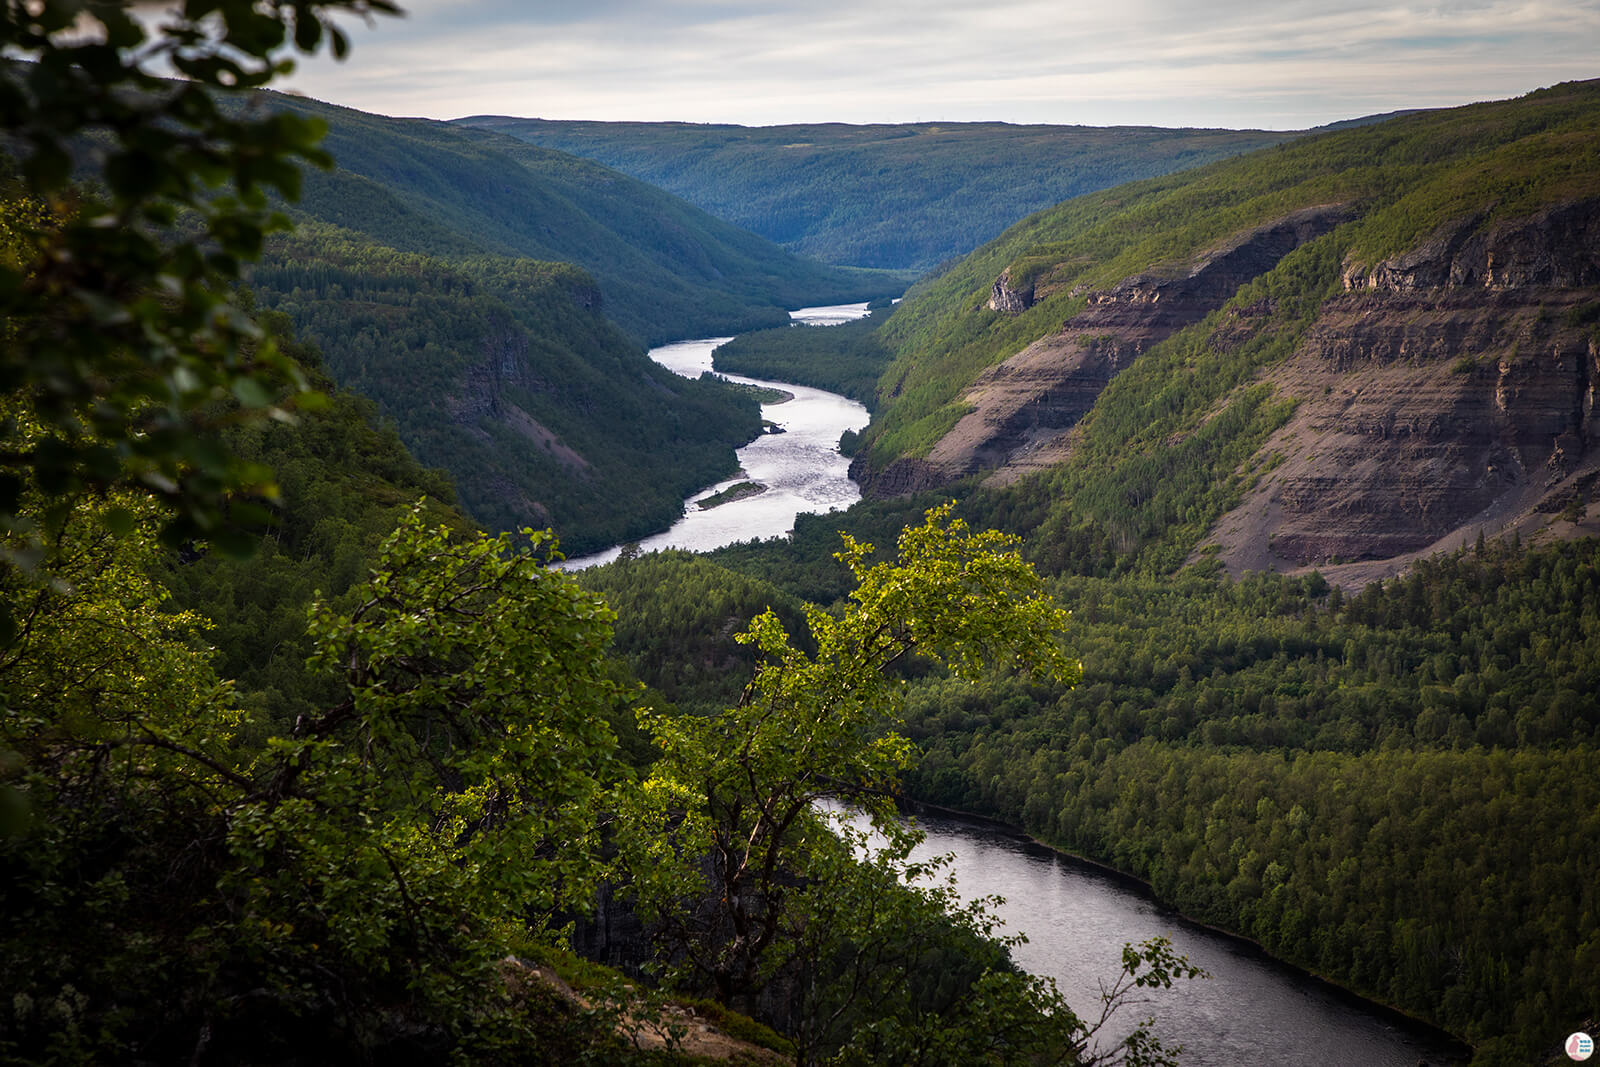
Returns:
(121, 333)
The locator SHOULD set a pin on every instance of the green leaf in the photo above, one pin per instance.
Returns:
(118, 520)
(251, 393)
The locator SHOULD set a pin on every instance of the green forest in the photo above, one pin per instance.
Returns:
(897, 196)
(308, 754)
(666, 270)
(1389, 789)
(504, 372)
(1387, 786)
(492, 299)
(298, 764)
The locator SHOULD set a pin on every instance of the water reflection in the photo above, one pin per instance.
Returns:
(1252, 1010)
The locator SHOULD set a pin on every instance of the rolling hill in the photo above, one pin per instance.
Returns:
(892, 195)
(494, 300)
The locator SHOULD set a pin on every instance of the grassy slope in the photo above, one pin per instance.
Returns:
(1406, 177)
(880, 195)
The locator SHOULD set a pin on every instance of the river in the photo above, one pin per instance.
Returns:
(1252, 1010)
(801, 468)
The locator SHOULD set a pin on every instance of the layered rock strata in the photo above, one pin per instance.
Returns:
(1021, 407)
(1450, 390)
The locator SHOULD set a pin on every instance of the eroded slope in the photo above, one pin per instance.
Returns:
(1448, 390)
(1349, 348)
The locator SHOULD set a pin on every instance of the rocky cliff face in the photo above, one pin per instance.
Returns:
(1022, 407)
(1557, 248)
(904, 475)
(1451, 389)
(485, 399)
(1008, 297)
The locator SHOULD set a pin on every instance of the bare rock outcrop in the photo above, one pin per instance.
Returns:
(1556, 248)
(1451, 390)
(502, 364)
(1022, 407)
(485, 401)
(1006, 297)
(904, 475)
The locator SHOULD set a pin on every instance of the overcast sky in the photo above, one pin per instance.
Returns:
(1276, 64)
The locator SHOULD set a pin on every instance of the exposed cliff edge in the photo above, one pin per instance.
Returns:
(1021, 407)
(491, 397)
(1449, 390)
(1557, 248)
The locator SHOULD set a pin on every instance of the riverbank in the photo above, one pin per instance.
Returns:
(801, 466)
(1443, 1048)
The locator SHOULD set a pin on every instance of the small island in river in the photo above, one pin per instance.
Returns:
(737, 491)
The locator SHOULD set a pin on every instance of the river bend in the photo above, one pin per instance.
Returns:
(1253, 1010)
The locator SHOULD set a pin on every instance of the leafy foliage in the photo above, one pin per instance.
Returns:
(678, 617)
(728, 854)
(350, 884)
(119, 336)
(344, 482)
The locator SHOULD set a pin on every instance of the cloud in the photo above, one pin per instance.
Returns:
(1242, 62)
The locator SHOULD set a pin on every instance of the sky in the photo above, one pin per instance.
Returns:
(1269, 64)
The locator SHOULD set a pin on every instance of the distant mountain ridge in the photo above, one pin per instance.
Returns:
(887, 195)
(494, 300)
(667, 270)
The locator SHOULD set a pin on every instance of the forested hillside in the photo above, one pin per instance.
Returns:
(297, 765)
(895, 196)
(1383, 781)
(1386, 788)
(666, 270)
(492, 298)
(1126, 358)
(505, 372)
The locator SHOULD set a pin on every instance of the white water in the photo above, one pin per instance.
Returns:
(801, 468)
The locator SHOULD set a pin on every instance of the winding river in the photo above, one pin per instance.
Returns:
(1252, 1010)
(800, 468)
